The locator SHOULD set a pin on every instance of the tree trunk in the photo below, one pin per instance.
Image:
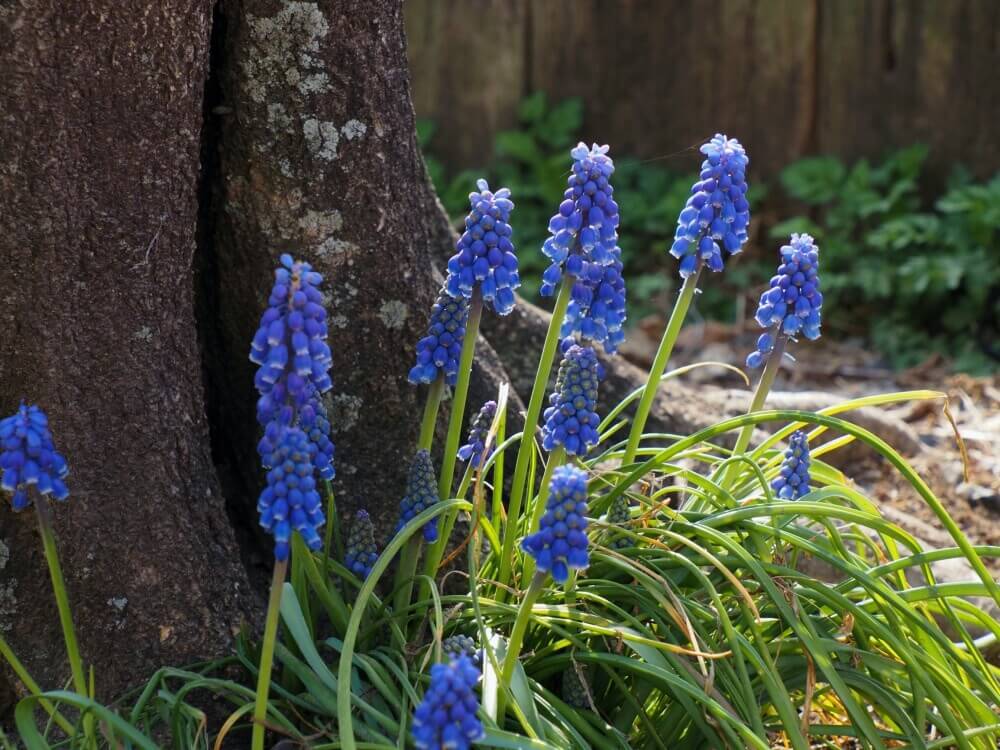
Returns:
(99, 176)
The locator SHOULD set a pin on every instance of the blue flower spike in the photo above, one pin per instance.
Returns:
(446, 717)
(618, 515)
(584, 244)
(715, 219)
(793, 303)
(440, 350)
(484, 256)
(421, 493)
(29, 458)
(793, 480)
(361, 552)
(561, 540)
(290, 501)
(474, 450)
(456, 646)
(571, 420)
(294, 371)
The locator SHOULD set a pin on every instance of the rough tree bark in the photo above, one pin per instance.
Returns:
(98, 208)
(153, 165)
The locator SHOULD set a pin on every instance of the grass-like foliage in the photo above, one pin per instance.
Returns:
(702, 607)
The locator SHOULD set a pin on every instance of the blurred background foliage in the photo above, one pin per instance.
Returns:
(910, 267)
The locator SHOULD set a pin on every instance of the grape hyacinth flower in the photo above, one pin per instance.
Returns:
(574, 691)
(290, 500)
(446, 717)
(28, 457)
(474, 450)
(561, 542)
(361, 552)
(584, 244)
(793, 303)
(571, 420)
(421, 493)
(715, 219)
(793, 480)
(439, 351)
(456, 646)
(618, 515)
(484, 254)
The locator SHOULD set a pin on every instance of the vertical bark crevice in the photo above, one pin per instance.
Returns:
(237, 486)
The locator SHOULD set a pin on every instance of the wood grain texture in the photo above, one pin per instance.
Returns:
(788, 77)
(101, 115)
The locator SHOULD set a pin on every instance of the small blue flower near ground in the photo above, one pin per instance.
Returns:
(715, 219)
(793, 303)
(28, 457)
(561, 540)
(793, 480)
(484, 255)
(361, 552)
(571, 420)
(290, 500)
(440, 350)
(584, 244)
(446, 717)
(474, 450)
(421, 493)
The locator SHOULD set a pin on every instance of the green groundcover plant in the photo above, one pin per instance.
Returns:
(609, 587)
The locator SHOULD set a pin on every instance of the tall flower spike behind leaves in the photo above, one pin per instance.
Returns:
(715, 219)
(793, 303)
(584, 243)
(361, 552)
(571, 420)
(294, 365)
(446, 717)
(439, 351)
(474, 450)
(28, 457)
(793, 480)
(561, 540)
(484, 256)
(421, 493)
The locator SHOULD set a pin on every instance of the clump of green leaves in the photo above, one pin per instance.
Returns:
(912, 274)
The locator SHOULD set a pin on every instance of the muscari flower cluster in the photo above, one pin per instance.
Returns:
(561, 542)
(793, 480)
(571, 420)
(474, 450)
(439, 351)
(290, 500)
(294, 365)
(421, 493)
(446, 717)
(361, 552)
(455, 646)
(584, 244)
(28, 457)
(574, 691)
(793, 303)
(618, 514)
(715, 219)
(485, 254)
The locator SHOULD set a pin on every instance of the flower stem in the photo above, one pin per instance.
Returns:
(756, 404)
(62, 604)
(527, 443)
(660, 364)
(430, 413)
(517, 637)
(404, 575)
(267, 654)
(33, 688)
(457, 417)
(556, 459)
